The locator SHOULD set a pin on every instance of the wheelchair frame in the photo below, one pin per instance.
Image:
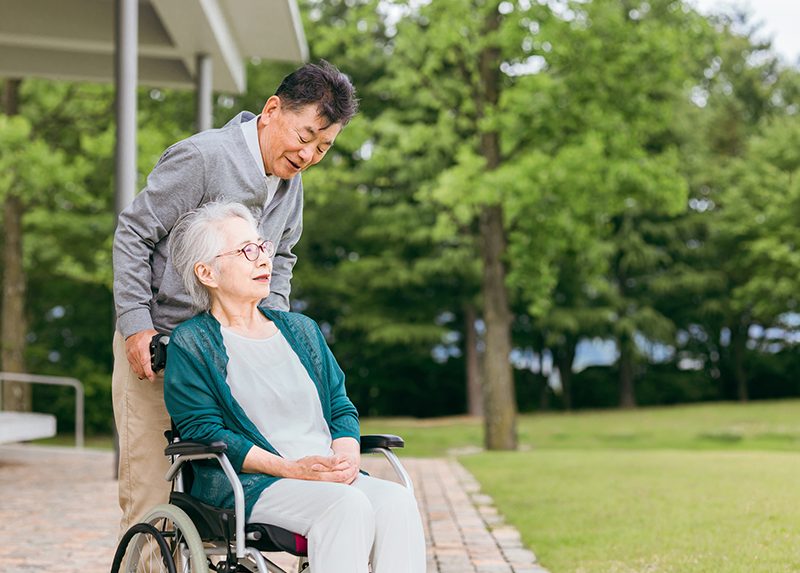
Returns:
(180, 452)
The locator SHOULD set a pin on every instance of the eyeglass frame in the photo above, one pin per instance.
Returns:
(261, 247)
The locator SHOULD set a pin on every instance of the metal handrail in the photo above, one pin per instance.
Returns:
(56, 381)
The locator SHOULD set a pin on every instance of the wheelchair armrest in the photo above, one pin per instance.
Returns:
(381, 441)
(195, 448)
(382, 444)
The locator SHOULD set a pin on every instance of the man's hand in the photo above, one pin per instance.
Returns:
(137, 350)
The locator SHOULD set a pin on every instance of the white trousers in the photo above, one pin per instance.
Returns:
(349, 526)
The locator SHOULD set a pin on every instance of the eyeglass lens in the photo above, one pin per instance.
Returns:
(251, 251)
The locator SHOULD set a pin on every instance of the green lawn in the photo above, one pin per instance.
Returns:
(705, 488)
(773, 425)
(100, 442)
(663, 510)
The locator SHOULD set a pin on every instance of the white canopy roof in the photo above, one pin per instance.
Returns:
(74, 39)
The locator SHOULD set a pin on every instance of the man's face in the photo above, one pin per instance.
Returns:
(291, 142)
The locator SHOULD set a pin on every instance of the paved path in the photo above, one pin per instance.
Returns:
(59, 514)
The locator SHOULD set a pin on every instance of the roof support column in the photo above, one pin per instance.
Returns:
(126, 73)
(205, 77)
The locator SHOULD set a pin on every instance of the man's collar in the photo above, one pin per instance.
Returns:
(250, 131)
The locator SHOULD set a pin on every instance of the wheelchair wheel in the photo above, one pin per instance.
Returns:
(147, 551)
(183, 542)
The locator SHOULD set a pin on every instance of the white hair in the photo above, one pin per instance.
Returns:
(197, 238)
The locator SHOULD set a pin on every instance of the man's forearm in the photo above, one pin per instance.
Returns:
(132, 273)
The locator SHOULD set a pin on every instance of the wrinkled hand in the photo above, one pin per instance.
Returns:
(137, 350)
(338, 468)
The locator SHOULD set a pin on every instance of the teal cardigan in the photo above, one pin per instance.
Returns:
(201, 405)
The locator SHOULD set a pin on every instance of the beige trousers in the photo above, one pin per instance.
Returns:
(142, 419)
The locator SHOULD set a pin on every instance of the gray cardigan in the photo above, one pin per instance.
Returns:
(148, 293)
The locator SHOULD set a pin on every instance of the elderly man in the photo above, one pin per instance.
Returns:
(253, 160)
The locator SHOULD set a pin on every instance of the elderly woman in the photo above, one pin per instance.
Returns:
(266, 383)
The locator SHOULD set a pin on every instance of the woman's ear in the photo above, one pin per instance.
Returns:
(206, 274)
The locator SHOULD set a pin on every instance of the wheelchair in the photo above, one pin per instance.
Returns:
(189, 536)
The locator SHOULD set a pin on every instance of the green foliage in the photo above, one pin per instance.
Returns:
(29, 168)
(57, 155)
(71, 323)
(598, 387)
(760, 213)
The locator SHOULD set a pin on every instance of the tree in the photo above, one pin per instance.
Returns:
(58, 160)
(445, 78)
(15, 396)
(531, 162)
(611, 171)
(740, 88)
(759, 216)
(31, 174)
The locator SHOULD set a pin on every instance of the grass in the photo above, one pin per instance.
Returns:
(770, 426)
(631, 511)
(702, 488)
(100, 442)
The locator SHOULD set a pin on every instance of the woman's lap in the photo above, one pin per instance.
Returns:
(296, 504)
(348, 526)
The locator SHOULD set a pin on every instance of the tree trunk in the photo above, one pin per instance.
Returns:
(738, 344)
(564, 357)
(544, 393)
(500, 403)
(474, 383)
(627, 398)
(16, 396)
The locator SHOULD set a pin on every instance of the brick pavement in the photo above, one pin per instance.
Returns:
(59, 514)
(58, 510)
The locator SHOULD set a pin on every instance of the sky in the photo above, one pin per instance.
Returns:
(780, 19)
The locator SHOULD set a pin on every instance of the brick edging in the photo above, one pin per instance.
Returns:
(505, 536)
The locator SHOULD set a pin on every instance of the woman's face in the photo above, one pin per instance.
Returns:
(234, 278)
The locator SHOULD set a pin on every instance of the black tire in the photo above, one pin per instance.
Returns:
(147, 551)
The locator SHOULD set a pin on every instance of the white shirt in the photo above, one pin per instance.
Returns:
(274, 389)
(250, 131)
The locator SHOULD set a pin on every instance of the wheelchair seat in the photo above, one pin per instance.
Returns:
(211, 525)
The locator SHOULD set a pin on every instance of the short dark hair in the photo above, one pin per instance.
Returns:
(322, 85)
